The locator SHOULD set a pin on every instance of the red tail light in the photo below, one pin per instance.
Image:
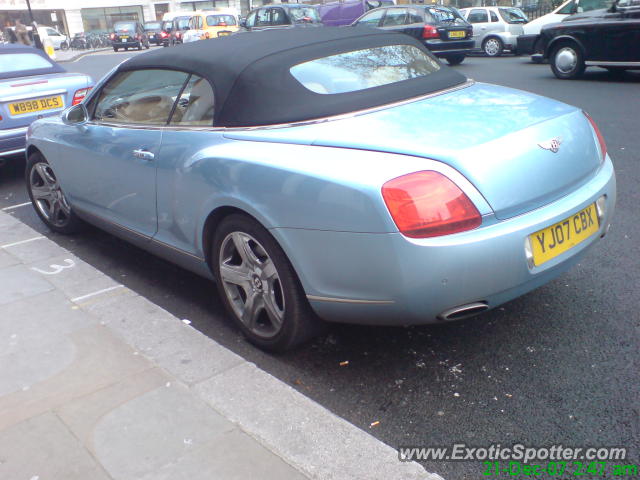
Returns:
(222, 24)
(113, 36)
(79, 95)
(138, 37)
(163, 34)
(428, 204)
(603, 145)
(430, 31)
(178, 34)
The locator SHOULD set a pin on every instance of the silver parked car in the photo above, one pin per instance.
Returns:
(495, 29)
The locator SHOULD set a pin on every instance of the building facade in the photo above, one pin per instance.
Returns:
(75, 16)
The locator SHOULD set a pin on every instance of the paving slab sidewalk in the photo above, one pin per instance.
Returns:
(96, 382)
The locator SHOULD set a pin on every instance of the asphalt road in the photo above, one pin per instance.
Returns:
(559, 365)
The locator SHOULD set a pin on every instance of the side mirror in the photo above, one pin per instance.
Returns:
(76, 115)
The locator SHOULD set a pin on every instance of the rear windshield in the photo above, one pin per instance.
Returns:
(153, 26)
(167, 25)
(362, 69)
(182, 23)
(124, 27)
(513, 15)
(445, 15)
(22, 62)
(221, 20)
(304, 15)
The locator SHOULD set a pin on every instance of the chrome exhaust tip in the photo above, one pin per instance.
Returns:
(463, 311)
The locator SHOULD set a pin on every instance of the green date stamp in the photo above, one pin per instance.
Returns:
(559, 469)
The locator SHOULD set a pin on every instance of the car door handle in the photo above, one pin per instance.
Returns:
(143, 154)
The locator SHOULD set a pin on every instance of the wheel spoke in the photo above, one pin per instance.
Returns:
(45, 175)
(54, 211)
(252, 308)
(234, 274)
(241, 243)
(269, 270)
(41, 193)
(275, 315)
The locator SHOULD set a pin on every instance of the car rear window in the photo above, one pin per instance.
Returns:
(513, 15)
(22, 62)
(153, 26)
(362, 69)
(221, 20)
(445, 15)
(124, 27)
(304, 15)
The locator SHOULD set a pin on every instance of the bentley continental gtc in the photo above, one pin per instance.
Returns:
(328, 174)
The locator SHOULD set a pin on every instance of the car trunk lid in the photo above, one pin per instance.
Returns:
(498, 138)
(41, 89)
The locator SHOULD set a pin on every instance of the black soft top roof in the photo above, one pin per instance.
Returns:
(253, 85)
(19, 48)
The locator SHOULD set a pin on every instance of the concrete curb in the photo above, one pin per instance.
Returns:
(300, 431)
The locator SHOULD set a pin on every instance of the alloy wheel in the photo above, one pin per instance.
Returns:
(252, 284)
(492, 47)
(48, 196)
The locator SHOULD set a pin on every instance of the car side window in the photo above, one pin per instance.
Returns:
(395, 17)
(372, 19)
(195, 105)
(478, 15)
(192, 23)
(263, 18)
(494, 17)
(278, 17)
(139, 97)
(414, 16)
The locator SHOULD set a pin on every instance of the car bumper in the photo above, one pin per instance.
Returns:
(442, 48)
(135, 44)
(389, 279)
(12, 141)
(526, 44)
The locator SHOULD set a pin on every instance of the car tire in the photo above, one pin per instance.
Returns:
(493, 47)
(126, 49)
(47, 197)
(567, 61)
(115, 49)
(251, 269)
(455, 59)
(64, 46)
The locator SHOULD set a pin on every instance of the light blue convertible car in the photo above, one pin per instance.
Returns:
(335, 174)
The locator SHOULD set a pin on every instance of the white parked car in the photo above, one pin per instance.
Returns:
(531, 31)
(495, 29)
(58, 40)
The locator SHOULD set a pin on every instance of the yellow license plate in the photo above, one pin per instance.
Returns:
(124, 37)
(550, 242)
(457, 34)
(36, 105)
(224, 33)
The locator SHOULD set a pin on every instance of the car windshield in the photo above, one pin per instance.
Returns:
(513, 15)
(153, 25)
(362, 69)
(220, 20)
(304, 14)
(21, 62)
(122, 27)
(182, 23)
(445, 15)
